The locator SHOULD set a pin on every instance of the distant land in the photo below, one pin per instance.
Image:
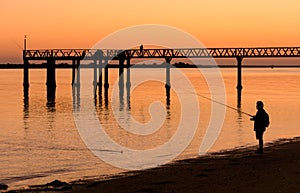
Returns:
(162, 65)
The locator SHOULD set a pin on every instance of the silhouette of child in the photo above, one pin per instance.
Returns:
(261, 121)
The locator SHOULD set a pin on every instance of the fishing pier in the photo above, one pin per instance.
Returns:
(101, 57)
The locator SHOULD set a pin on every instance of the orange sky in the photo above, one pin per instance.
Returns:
(80, 24)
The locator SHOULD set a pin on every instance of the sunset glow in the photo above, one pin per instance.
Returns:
(81, 24)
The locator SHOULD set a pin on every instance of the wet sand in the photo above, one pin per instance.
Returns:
(239, 170)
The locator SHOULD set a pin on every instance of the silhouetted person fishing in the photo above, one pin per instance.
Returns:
(141, 49)
(261, 121)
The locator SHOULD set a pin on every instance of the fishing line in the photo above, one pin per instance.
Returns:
(17, 44)
(230, 107)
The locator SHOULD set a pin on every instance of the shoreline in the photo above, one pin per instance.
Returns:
(235, 170)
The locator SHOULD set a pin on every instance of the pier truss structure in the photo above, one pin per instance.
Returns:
(91, 54)
(102, 56)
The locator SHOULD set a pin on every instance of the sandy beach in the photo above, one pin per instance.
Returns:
(238, 170)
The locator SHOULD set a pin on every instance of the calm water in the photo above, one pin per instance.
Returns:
(40, 143)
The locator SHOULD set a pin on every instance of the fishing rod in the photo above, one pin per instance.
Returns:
(230, 107)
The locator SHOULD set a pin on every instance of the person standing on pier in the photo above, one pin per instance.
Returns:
(141, 49)
(261, 121)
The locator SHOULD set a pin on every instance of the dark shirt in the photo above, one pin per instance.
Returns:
(259, 120)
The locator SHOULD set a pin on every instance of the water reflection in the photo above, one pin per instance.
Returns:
(128, 94)
(26, 112)
(121, 95)
(106, 98)
(239, 97)
(51, 105)
(239, 107)
(76, 96)
(51, 115)
(25, 93)
(99, 101)
(168, 101)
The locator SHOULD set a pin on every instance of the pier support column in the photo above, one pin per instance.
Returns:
(95, 66)
(168, 66)
(106, 84)
(73, 71)
(168, 80)
(26, 78)
(239, 81)
(51, 80)
(121, 71)
(121, 79)
(128, 83)
(78, 73)
(99, 84)
(239, 72)
(99, 57)
(76, 85)
(100, 76)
